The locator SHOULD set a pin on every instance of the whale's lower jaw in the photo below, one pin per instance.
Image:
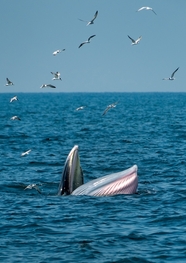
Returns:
(124, 182)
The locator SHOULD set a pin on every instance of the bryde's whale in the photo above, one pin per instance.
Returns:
(124, 182)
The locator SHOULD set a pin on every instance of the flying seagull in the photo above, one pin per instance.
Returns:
(14, 98)
(146, 8)
(26, 153)
(135, 42)
(9, 83)
(58, 51)
(113, 105)
(47, 85)
(80, 108)
(172, 76)
(87, 41)
(31, 186)
(56, 75)
(15, 118)
(91, 21)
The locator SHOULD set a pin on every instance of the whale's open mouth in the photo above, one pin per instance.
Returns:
(124, 182)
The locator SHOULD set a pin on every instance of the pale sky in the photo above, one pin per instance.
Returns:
(32, 30)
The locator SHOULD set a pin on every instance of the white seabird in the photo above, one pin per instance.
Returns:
(135, 42)
(26, 153)
(58, 51)
(146, 8)
(15, 118)
(47, 85)
(80, 108)
(91, 21)
(56, 75)
(172, 76)
(113, 105)
(87, 41)
(14, 98)
(9, 83)
(31, 186)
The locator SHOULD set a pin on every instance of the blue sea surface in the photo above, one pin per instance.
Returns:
(146, 129)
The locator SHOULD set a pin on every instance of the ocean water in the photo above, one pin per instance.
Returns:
(146, 129)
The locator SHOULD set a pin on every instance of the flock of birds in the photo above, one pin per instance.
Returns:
(56, 76)
(134, 42)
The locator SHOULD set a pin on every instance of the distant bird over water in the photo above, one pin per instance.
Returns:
(26, 153)
(172, 76)
(47, 85)
(135, 42)
(146, 8)
(58, 51)
(91, 21)
(113, 105)
(14, 98)
(56, 75)
(87, 41)
(80, 108)
(15, 118)
(31, 186)
(9, 83)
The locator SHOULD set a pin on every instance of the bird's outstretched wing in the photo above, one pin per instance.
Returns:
(138, 40)
(131, 39)
(26, 153)
(82, 44)
(51, 86)
(154, 12)
(174, 72)
(107, 108)
(95, 15)
(91, 37)
(143, 7)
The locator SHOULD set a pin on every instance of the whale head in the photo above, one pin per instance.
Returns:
(72, 175)
(124, 182)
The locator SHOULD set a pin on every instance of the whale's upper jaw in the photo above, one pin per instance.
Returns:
(72, 175)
